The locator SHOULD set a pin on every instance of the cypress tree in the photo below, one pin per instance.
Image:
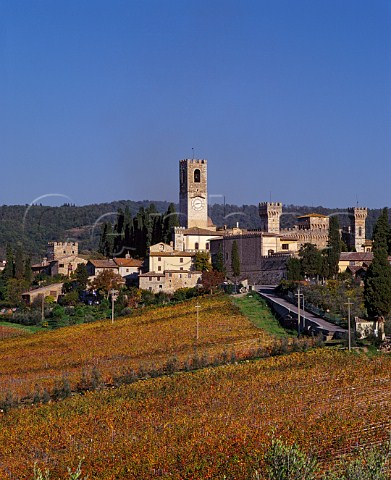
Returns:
(334, 246)
(235, 260)
(377, 286)
(9, 267)
(170, 220)
(218, 261)
(119, 233)
(294, 271)
(19, 262)
(28, 274)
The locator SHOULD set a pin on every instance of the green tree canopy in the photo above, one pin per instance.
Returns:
(311, 260)
(235, 259)
(334, 246)
(377, 285)
(202, 262)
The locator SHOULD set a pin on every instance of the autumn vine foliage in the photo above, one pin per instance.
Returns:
(209, 424)
(147, 339)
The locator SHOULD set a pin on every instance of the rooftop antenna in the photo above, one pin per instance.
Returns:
(356, 200)
(192, 149)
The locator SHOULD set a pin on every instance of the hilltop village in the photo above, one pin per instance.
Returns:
(172, 265)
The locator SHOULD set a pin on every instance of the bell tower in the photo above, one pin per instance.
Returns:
(193, 195)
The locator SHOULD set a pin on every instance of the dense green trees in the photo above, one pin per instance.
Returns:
(235, 260)
(202, 262)
(218, 261)
(334, 247)
(16, 276)
(135, 235)
(377, 287)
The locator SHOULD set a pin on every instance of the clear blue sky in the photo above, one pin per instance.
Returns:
(288, 100)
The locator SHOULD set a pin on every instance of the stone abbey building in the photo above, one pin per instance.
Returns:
(264, 252)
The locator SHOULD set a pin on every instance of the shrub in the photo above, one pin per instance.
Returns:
(288, 462)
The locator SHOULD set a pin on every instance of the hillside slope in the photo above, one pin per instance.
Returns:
(215, 423)
(147, 339)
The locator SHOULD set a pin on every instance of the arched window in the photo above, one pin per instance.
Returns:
(197, 246)
(197, 176)
(359, 231)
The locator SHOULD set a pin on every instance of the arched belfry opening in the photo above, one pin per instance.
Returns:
(197, 176)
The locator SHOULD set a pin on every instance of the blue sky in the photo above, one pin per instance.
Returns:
(288, 100)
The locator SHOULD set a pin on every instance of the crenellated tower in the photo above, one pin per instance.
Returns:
(270, 213)
(357, 217)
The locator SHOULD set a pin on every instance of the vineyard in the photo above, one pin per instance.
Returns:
(214, 423)
(147, 340)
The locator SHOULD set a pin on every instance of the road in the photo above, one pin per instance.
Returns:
(319, 323)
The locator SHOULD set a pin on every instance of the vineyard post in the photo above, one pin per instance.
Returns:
(197, 327)
(112, 291)
(349, 336)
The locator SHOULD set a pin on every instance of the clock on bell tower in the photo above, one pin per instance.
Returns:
(193, 195)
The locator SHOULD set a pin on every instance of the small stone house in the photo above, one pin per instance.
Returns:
(54, 290)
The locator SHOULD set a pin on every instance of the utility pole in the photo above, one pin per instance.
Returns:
(349, 336)
(298, 294)
(43, 307)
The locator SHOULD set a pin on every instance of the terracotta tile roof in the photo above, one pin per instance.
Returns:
(175, 253)
(128, 262)
(309, 215)
(106, 263)
(355, 269)
(193, 272)
(356, 257)
(152, 274)
(200, 231)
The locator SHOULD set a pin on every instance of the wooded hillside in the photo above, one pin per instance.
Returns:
(34, 226)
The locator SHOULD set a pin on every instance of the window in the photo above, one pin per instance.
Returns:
(170, 275)
(160, 286)
(197, 246)
(181, 268)
(359, 231)
(207, 245)
(150, 279)
(197, 176)
(159, 259)
(270, 252)
(127, 270)
(285, 246)
(159, 268)
(181, 260)
(61, 265)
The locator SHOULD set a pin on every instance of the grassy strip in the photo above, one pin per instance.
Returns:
(258, 312)
(27, 328)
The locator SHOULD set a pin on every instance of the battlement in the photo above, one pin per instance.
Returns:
(193, 160)
(270, 204)
(358, 211)
(63, 244)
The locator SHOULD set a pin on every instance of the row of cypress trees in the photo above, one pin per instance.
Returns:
(134, 235)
